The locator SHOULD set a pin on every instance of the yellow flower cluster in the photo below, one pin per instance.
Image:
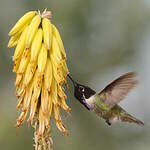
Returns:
(41, 70)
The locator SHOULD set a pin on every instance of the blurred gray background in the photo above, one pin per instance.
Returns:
(103, 39)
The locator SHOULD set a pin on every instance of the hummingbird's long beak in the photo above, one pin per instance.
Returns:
(74, 83)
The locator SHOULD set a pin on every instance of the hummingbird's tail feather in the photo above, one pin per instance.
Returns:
(130, 119)
(119, 114)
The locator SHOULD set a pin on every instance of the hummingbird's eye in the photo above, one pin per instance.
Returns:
(81, 89)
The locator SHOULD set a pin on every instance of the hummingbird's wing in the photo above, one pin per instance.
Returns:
(118, 89)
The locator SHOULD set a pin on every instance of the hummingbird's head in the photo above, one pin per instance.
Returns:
(82, 92)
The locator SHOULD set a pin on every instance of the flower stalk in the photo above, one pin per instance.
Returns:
(41, 72)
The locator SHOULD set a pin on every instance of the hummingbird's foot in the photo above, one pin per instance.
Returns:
(108, 122)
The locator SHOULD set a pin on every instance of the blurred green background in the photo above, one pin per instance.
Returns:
(103, 39)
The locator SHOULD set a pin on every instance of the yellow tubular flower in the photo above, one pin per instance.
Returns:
(42, 59)
(18, 79)
(50, 104)
(58, 121)
(58, 37)
(16, 64)
(15, 38)
(56, 50)
(41, 123)
(27, 97)
(47, 31)
(41, 72)
(13, 41)
(44, 100)
(36, 45)
(22, 22)
(56, 76)
(48, 75)
(54, 92)
(21, 45)
(33, 27)
(24, 61)
(29, 73)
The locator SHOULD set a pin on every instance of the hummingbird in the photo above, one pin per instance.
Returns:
(105, 102)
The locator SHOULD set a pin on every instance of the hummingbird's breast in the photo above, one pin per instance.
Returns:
(92, 103)
(97, 105)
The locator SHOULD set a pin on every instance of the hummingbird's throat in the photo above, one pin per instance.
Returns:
(85, 104)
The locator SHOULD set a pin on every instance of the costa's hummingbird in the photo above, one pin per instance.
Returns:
(105, 103)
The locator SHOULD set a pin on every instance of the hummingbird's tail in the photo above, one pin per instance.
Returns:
(119, 114)
(128, 118)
